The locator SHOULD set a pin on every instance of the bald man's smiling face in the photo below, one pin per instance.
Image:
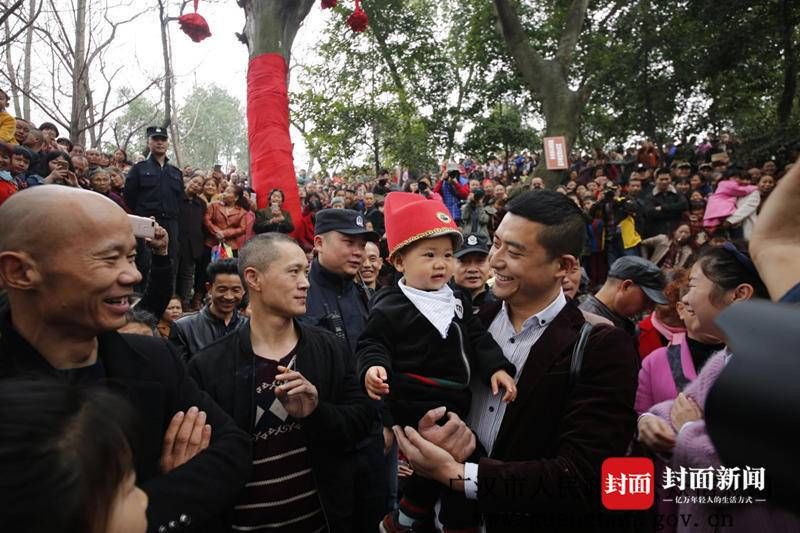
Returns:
(89, 274)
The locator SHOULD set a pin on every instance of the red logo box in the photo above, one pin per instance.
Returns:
(627, 483)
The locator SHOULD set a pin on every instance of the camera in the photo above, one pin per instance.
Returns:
(453, 174)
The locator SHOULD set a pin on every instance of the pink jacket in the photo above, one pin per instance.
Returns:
(656, 383)
(722, 203)
(694, 449)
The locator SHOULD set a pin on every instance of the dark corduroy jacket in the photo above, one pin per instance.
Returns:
(544, 470)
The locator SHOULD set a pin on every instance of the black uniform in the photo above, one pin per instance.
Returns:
(157, 191)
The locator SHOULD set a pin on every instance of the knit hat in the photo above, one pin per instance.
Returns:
(411, 217)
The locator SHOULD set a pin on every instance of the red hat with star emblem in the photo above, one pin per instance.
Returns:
(411, 217)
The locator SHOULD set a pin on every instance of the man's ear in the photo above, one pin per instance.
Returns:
(566, 263)
(317, 242)
(18, 271)
(252, 281)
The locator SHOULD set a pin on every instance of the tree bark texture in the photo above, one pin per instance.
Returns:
(548, 79)
(270, 29)
(77, 122)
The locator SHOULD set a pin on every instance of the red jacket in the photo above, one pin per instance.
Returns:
(6, 190)
(305, 231)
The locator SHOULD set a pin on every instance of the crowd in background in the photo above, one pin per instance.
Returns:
(665, 237)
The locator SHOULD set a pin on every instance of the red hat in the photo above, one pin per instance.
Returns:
(410, 217)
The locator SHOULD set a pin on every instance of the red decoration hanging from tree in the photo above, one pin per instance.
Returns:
(327, 4)
(358, 20)
(194, 25)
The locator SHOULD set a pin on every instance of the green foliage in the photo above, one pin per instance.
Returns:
(503, 131)
(426, 71)
(128, 130)
(212, 128)
(400, 93)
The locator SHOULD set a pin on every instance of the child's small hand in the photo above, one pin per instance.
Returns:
(501, 380)
(375, 382)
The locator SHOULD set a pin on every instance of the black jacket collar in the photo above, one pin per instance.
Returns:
(322, 276)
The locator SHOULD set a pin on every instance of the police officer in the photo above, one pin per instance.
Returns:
(335, 302)
(154, 188)
(472, 270)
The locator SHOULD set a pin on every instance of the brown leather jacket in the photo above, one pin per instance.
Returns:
(231, 226)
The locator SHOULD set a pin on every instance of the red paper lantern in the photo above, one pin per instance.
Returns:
(358, 20)
(194, 25)
(327, 4)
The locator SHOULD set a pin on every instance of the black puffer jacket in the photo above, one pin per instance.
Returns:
(399, 338)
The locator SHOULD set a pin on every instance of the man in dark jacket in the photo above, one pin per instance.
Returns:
(547, 447)
(66, 299)
(334, 300)
(664, 207)
(338, 304)
(192, 333)
(291, 387)
(633, 286)
(191, 239)
(154, 187)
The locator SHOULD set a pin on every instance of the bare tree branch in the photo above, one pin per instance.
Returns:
(10, 38)
(62, 28)
(49, 111)
(125, 103)
(7, 13)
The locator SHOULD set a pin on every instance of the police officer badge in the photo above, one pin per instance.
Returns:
(459, 309)
(360, 221)
(472, 240)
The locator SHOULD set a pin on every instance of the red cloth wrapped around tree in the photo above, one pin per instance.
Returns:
(271, 162)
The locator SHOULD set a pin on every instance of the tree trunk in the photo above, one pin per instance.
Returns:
(270, 28)
(790, 66)
(547, 79)
(77, 121)
(376, 147)
(26, 73)
(169, 88)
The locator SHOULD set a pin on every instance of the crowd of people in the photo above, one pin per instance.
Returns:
(459, 351)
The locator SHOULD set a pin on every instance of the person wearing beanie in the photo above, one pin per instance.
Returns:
(420, 347)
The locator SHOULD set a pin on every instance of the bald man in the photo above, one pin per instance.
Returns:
(67, 265)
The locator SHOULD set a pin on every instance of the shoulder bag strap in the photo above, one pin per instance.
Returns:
(675, 366)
